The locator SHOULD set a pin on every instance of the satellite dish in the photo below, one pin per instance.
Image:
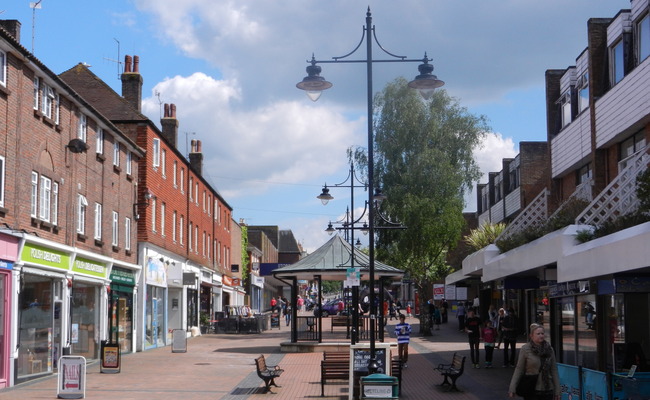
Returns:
(77, 146)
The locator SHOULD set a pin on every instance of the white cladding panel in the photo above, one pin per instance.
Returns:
(497, 212)
(624, 105)
(571, 145)
(513, 202)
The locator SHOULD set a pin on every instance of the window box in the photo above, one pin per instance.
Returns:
(129, 177)
(117, 169)
(99, 242)
(81, 237)
(4, 90)
(116, 248)
(100, 157)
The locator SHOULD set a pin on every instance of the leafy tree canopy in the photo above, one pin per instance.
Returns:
(424, 164)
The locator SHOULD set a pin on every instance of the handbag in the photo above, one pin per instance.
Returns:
(526, 385)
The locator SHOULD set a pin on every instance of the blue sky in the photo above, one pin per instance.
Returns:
(231, 68)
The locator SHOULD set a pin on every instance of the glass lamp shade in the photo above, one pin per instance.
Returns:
(313, 83)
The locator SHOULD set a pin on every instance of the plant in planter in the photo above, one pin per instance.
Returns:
(204, 321)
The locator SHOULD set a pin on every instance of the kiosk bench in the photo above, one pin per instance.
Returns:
(267, 374)
(452, 371)
(339, 320)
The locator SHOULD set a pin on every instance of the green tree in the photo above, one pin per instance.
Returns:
(424, 164)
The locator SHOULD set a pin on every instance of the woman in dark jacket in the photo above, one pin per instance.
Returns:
(537, 357)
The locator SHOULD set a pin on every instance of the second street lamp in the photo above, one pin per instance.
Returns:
(314, 84)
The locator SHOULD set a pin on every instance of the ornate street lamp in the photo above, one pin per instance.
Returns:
(314, 84)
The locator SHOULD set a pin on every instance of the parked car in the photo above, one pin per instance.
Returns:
(330, 307)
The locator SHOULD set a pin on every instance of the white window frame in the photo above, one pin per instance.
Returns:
(116, 153)
(181, 222)
(163, 211)
(190, 189)
(98, 221)
(34, 196)
(99, 145)
(45, 197)
(153, 214)
(127, 233)
(82, 127)
(182, 180)
(37, 93)
(163, 163)
(116, 229)
(48, 101)
(203, 238)
(174, 177)
(82, 203)
(3, 68)
(209, 243)
(155, 153)
(57, 109)
(196, 238)
(565, 108)
(55, 203)
(196, 193)
(129, 161)
(205, 195)
(174, 219)
(189, 236)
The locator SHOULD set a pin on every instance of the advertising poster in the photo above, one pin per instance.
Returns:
(438, 291)
(72, 378)
(450, 292)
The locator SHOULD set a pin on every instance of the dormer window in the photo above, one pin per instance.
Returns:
(565, 108)
(617, 62)
(583, 92)
(643, 38)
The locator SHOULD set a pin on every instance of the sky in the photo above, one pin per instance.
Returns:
(231, 68)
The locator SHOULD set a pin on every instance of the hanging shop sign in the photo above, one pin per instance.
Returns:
(35, 254)
(6, 265)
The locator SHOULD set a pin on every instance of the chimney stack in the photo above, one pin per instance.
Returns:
(12, 26)
(196, 157)
(169, 125)
(132, 82)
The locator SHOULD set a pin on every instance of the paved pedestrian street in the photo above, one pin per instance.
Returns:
(222, 367)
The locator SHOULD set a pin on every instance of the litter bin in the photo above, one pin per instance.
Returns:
(379, 386)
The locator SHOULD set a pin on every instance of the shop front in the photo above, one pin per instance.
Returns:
(121, 301)
(155, 300)
(8, 255)
(42, 324)
(257, 289)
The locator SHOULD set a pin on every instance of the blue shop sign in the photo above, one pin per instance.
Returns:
(6, 264)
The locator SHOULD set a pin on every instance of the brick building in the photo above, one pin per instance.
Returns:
(184, 225)
(68, 181)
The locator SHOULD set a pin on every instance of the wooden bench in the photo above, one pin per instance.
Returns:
(333, 369)
(396, 371)
(339, 320)
(266, 373)
(452, 371)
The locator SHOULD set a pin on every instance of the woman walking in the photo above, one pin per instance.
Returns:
(536, 363)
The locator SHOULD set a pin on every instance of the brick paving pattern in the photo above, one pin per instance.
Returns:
(222, 367)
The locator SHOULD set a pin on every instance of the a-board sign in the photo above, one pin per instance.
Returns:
(275, 320)
(72, 377)
(361, 357)
(110, 360)
(179, 341)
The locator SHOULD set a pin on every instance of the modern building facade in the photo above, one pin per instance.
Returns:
(592, 296)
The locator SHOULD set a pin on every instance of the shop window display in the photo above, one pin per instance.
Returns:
(36, 324)
(84, 334)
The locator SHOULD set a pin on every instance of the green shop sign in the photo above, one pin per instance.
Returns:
(36, 254)
(89, 267)
(122, 276)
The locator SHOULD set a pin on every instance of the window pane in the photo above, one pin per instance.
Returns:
(617, 62)
(644, 38)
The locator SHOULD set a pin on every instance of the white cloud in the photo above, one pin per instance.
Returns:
(284, 141)
(489, 158)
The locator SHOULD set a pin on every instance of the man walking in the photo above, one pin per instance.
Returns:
(403, 333)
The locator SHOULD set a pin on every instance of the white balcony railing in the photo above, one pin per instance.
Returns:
(619, 197)
(533, 215)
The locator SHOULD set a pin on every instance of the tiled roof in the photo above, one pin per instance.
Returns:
(100, 95)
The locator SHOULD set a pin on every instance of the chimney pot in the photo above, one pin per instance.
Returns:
(136, 64)
(169, 124)
(127, 64)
